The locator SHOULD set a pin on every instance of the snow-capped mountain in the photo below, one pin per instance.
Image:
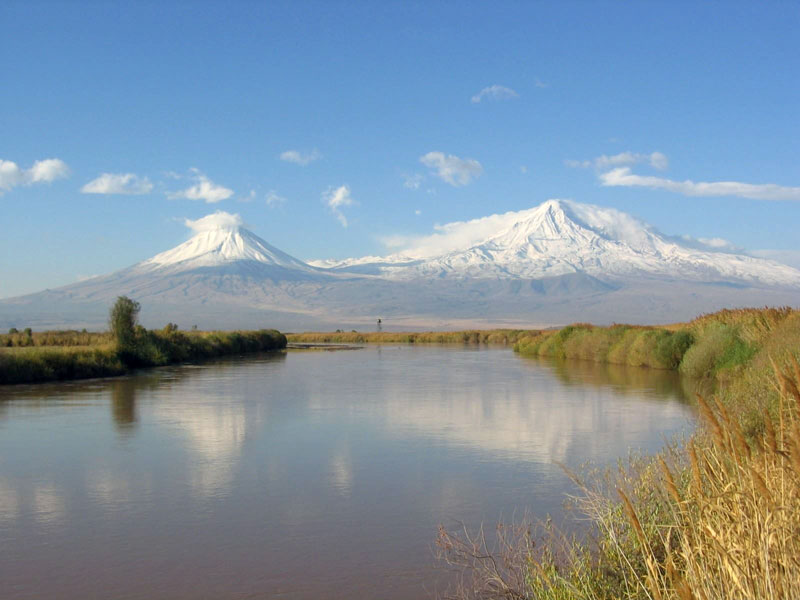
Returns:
(224, 245)
(552, 264)
(560, 237)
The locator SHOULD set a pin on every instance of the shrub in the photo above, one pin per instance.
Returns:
(705, 357)
(670, 349)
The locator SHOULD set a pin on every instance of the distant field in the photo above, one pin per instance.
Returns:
(473, 336)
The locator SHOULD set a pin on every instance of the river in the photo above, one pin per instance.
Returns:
(309, 474)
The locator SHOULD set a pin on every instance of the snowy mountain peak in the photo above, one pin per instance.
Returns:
(547, 222)
(562, 237)
(226, 243)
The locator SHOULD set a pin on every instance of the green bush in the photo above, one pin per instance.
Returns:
(703, 358)
(671, 348)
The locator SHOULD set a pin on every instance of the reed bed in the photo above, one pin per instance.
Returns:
(70, 338)
(711, 518)
(102, 358)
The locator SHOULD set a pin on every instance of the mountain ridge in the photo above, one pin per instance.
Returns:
(551, 264)
(560, 237)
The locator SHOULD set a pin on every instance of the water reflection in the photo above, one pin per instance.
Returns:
(49, 504)
(123, 405)
(341, 471)
(624, 379)
(9, 502)
(304, 475)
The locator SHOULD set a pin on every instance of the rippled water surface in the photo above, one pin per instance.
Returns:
(299, 475)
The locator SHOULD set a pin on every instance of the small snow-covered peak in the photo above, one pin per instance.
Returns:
(221, 242)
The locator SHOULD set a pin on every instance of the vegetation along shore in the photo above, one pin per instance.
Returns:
(714, 516)
(471, 336)
(27, 357)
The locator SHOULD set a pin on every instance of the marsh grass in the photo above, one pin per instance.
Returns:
(713, 518)
(69, 338)
(69, 359)
(620, 344)
(716, 519)
(26, 365)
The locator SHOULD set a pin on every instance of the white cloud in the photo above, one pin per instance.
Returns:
(656, 160)
(273, 199)
(48, 170)
(336, 199)
(204, 189)
(523, 169)
(716, 243)
(418, 212)
(298, 158)
(10, 175)
(623, 177)
(453, 236)
(452, 169)
(42, 171)
(494, 92)
(118, 183)
(787, 257)
(413, 182)
(540, 84)
(659, 161)
(214, 221)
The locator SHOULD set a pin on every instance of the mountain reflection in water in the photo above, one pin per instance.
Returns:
(307, 475)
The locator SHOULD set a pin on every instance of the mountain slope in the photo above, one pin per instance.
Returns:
(551, 264)
(223, 246)
(561, 237)
(223, 275)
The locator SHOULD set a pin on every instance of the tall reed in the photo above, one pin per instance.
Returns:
(716, 517)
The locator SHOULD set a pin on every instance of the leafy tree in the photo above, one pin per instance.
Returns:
(122, 321)
(13, 330)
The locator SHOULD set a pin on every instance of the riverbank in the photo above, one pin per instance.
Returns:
(51, 356)
(471, 336)
(715, 516)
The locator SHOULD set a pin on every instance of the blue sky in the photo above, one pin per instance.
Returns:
(390, 117)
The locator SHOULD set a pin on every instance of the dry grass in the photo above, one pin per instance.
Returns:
(719, 519)
(716, 518)
(734, 530)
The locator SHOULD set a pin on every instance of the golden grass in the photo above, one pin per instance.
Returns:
(713, 519)
(734, 530)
